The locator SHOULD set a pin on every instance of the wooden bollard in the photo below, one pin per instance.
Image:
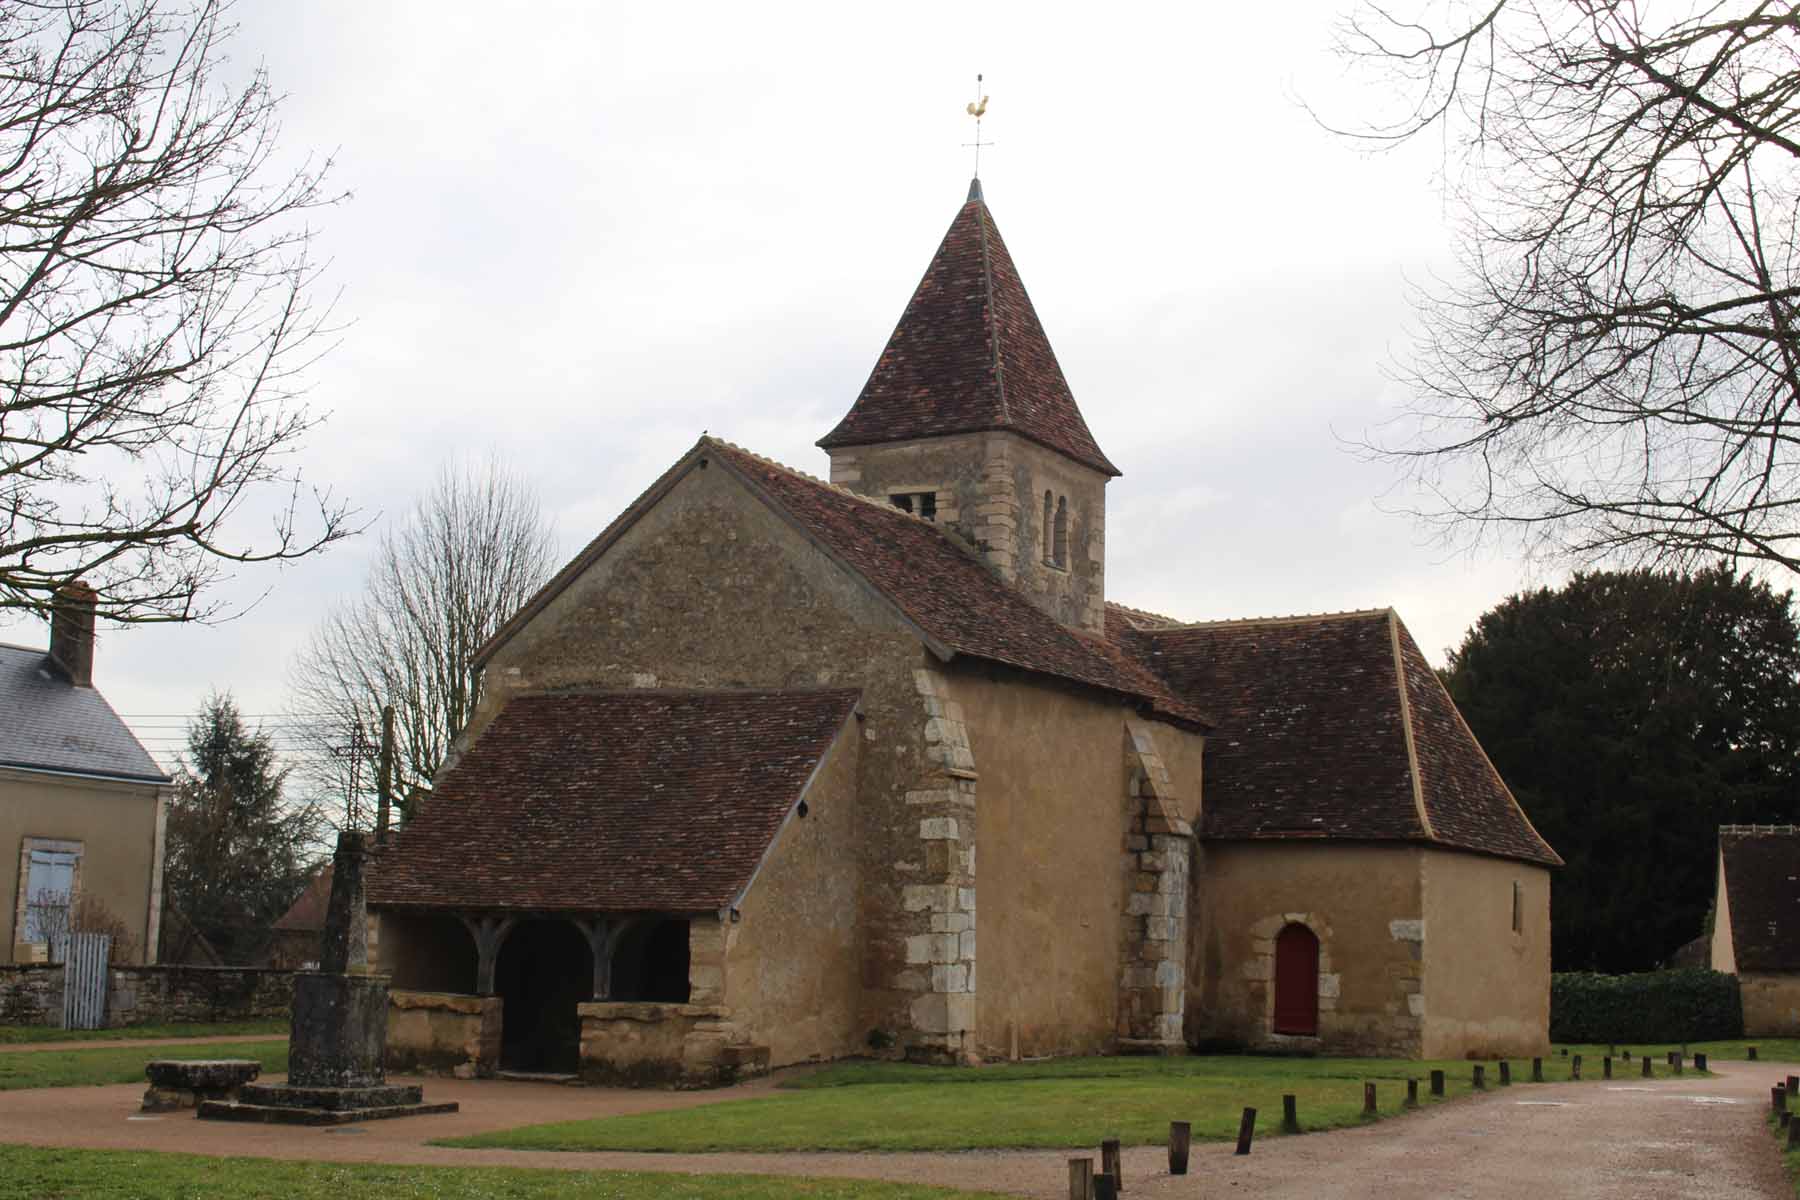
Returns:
(1290, 1114)
(1750, 1051)
(1565, 1052)
(1671, 1058)
(1081, 1179)
(1700, 1061)
(1437, 1083)
(1575, 1067)
(1646, 1066)
(1793, 1135)
(1105, 1187)
(1246, 1129)
(1368, 1099)
(1505, 1073)
(1109, 1163)
(1412, 1091)
(1537, 1070)
(1606, 1067)
(1181, 1134)
(1786, 1118)
(1778, 1098)
(1793, 1083)
(1678, 1057)
(1478, 1078)
(1628, 1054)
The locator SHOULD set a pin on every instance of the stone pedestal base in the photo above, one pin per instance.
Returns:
(279, 1104)
(339, 1030)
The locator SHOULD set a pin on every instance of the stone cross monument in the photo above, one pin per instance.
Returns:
(339, 1025)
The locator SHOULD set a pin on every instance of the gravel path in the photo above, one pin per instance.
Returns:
(127, 1043)
(1667, 1140)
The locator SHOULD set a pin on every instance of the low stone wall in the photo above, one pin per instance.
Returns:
(668, 1045)
(155, 995)
(443, 1033)
(31, 995)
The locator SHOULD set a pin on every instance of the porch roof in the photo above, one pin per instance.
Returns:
(596, 802)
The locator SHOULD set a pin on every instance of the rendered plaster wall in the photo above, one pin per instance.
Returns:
(991, 486)
(443, 1033)
(712, 589)
(1487, 988)
(1771, 1003)
(1052, 800)
(116, 826)
(792, 961)
(1365, 904)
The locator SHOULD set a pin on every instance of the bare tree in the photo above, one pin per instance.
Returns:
(154, 313)
(1615, 371)
(468, 556)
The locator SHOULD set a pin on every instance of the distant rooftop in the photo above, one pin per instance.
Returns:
(48, 724)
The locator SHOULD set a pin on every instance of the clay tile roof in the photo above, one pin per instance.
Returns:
(307, 914)
(946, 591)
(1312, 736)
(969, 354)
(598, 802)
(1762, 888)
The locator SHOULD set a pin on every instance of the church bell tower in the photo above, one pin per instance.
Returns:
(967, 420)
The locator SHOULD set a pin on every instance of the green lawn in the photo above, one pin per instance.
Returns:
(57, 1174)
(125, 1064)
(1062, 1102)
(19, 1034)
(1767, 1050)
(1790, 1158)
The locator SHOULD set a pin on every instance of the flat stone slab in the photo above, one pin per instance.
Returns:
(276, 1114)
(176, 1084)
(335, 1099)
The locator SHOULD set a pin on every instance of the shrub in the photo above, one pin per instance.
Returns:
(1689, 1005)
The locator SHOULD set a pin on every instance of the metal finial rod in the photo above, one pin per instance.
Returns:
(978, 108)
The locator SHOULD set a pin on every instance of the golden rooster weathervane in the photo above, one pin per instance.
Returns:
(977, 108)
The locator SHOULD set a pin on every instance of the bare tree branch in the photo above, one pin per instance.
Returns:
(155, 319)
(1613, 372)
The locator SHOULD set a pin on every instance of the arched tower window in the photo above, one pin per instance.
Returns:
(1049, 537)
(1297, 981)
(1062, 531)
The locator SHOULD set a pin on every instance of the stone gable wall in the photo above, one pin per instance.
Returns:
(713, 589)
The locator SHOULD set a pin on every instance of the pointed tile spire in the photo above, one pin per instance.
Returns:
(969, 355)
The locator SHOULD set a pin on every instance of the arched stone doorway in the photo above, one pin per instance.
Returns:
(543, 971)
(1297, 982)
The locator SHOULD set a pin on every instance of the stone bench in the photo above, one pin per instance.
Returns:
(184, 1083)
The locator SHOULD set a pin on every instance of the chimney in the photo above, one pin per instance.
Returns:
(72, 632)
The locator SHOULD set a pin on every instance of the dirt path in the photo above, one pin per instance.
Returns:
(1667, 1140)
(127, 1043)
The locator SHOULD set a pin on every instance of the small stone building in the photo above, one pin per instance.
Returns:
(779, 769)
(1756, 924)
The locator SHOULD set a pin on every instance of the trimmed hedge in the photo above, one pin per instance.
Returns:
(1689, 1005)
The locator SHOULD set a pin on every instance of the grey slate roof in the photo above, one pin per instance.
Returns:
(49, 724)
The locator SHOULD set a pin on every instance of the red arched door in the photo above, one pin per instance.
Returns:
(1297, 981)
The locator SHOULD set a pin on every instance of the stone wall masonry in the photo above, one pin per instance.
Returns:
(1153, 953)
(432, 1033)
(939, 963)
(154, 995)
(679, 1045)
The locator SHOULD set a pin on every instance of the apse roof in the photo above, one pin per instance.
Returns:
(1332, 726)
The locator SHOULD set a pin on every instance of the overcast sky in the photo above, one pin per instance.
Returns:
(580, 234)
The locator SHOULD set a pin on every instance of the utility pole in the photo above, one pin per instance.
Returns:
(386, 793)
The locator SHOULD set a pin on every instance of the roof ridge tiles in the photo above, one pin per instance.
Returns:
(797, 473)
(1163, 620)
(1289, 619)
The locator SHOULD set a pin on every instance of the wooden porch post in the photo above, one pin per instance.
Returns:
(489, 933)
(602, 934)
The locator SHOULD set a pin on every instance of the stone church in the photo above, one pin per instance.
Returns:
(779, 769)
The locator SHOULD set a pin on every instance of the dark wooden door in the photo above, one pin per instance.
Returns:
(1297, 981)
